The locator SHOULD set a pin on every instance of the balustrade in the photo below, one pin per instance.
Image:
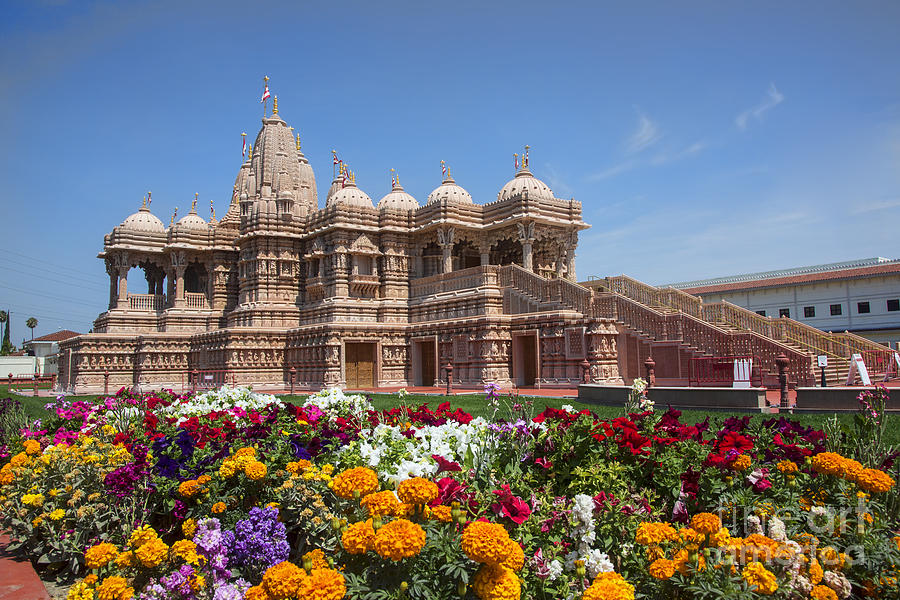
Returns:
(146, 302)
(195, 300)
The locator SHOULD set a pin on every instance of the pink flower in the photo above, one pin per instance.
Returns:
(444, 464)
(510, 506)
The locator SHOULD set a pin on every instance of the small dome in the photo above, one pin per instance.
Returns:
(350, 195)
(398, 199)
(449, 191)
(192, 221)
(524, 184)
(143, 220)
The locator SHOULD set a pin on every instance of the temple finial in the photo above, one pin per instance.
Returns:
(525, 158)
(174, 214)
(298, 141)
(194, 203)
(144, 203)
(149, 199)
(275, 105)
(212, 209)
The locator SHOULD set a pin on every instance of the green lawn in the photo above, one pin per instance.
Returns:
(477, 405)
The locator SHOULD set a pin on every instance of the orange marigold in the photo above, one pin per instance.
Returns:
(359, 537)
(441, 513)
(142, 535)
(255, 470)
(399, 539)
(417, 490)
(760, 579)
(31, 446)
(189, 527)
(297, 466)
(114, 588)
(496, 582)
(316, 558)
(662, 568)
(706, 523)
(283, 580)
(741, 463)
(873, 480)
(655, 533)
(323, 584)
(100, 555)
(485, 542)
(358, 479)
(152, 553)
(515, 560)
(189, 488)
(256, 593)
(787, 467)
(823, 592)
(381, 504)
(609, 586)
(126, 559)
(218, 507)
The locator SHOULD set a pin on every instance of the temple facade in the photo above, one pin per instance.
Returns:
(356, 294)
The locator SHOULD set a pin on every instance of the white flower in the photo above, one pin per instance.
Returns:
(838, 583)
(555, 568)
(568, 408)
(597, 562)
(754, 525)
(776, 529)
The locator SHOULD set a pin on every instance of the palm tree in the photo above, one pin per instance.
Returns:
(5, 346)
(31, 323)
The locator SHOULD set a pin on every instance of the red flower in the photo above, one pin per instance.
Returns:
(444, 464)
(732, 440)
(543, 462)
(510, 506)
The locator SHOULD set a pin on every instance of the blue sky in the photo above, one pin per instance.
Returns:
(703, 138)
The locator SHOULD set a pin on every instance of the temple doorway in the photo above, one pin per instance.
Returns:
(359, 365)
(424, 362)
(525, 359)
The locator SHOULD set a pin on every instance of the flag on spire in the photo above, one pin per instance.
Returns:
(243, 145)
(443, 169)
(334, 158)
(516, 160)
(266, 95)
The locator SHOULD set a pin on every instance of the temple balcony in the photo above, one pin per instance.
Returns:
(147, 302)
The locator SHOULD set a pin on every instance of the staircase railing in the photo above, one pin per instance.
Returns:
(560, 291)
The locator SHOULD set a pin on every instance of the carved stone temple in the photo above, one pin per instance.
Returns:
(355, 294)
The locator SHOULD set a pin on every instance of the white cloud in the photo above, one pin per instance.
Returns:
(613, 171)
(667, 157)
(876, 206)
(646, 134)
(773, 99)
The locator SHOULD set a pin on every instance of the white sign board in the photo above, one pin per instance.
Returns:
(742, 368)
(823, 360)
(858, 366)
(208, 377)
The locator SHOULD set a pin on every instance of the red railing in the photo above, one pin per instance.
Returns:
(882, 363)
(206, 379)
(719, 371)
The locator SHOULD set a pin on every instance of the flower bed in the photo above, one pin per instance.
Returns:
(232, 494)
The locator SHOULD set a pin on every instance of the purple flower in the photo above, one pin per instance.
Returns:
(232, 591)
(120, 482)
(258, 542)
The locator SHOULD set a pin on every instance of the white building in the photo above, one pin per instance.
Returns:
(45, 351)
(860, 296)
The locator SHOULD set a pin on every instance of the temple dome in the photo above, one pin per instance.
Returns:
(525, 185)
(192, 221)
(449, 191)
(398, 199)
(143, 220)
(350, 195)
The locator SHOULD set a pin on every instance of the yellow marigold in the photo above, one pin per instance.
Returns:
(256, 593)
(31, 447)
(381, 504)
(787, 467)
(34, 500)
(246, 451)
(100, 555)
(323, 584)
(609, 586)
(741, 463)
(204, 479)
(126, 559)
(760, 579)
(399, 539)
(496, 582)
(873, 480)
(19, 460)
(185, 550)
(720, 538)
(515, 560)
(358, 479)
(359, 537)
(6, 475)
(441, 513)
(706, 523)
(57, 514)
(227, 469)
(90, 579)
(197, 582)
(37, 521)
(662, 568)
(189, 488)
(815, 572)
(189, 527)
(114, 588)
(823, 592)
(417, 490)
(141, 536)
(685, 561)
(218, 507)
(655, 533)
(832, 463)
(297, 466)
(152, 553)
(690, 538)
(80, 591)
(283, 580)
(255, 470)
(485, 542)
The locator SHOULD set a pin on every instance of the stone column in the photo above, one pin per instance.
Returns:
(179, 285)
(447, 261)
(113, 288)
(446, 238)
(560, 260)
(485, 250)
(170, 287)
(526, 238)
(571, 267)
(321, 267)
(123, 286)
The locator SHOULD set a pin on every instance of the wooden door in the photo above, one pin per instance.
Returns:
(427, 363)
(359, 365)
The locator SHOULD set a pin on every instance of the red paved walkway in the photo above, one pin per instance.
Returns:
(18, 581)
